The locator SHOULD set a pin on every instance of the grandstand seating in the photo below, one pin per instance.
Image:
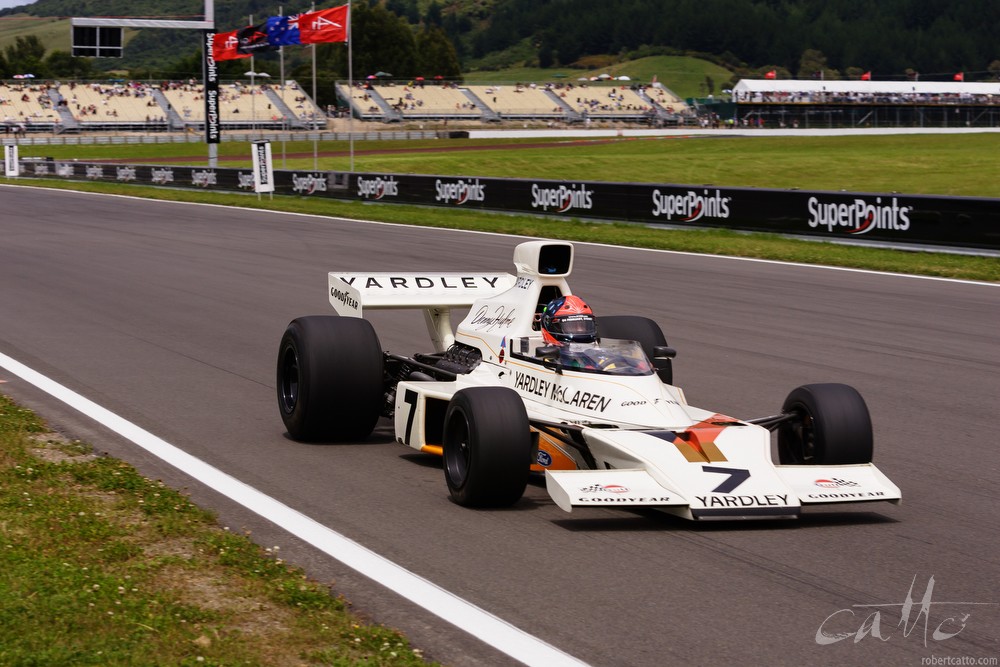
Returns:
(111, 103)
(423, 101)
(518, 101)
(298, 101)
(363, 101)
(27, 104)
(239, 103)
(187, 100)
(615, 101)
(136, 105)
(564, 101)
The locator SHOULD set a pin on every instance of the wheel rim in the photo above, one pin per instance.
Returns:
(458, 454)
(805, 437)
(289, 385)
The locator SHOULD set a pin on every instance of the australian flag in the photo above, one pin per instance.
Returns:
(283, 30)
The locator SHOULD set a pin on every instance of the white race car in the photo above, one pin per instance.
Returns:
(498, 403)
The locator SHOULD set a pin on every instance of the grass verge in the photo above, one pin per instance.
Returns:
(720, 242)
(101, 566)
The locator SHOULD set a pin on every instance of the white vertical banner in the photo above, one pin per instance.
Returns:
(263, 169)
(10, 166)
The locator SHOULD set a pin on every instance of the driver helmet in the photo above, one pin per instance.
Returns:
(568, 319)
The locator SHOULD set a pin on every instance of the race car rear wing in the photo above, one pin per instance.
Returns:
(436, 293)
(538, 263)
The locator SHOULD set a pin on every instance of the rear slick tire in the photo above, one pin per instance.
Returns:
(329, 378)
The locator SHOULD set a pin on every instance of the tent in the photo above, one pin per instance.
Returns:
(755, 89)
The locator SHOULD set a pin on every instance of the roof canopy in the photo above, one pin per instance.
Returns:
(812, 86)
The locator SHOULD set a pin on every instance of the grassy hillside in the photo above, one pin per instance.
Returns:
(54, 33)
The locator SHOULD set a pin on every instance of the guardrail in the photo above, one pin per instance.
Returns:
(199, 137)
(884, 218)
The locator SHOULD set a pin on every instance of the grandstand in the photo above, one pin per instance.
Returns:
(300, 104)
(142, 106)
(132, 106)
(119, 105)
(241, 106)
(520, 101)
(666, 99)
(851, 103)
(428, 101)
(365, 103)
(27, 105)
(565, 102)
(243, 103)
(620, 102)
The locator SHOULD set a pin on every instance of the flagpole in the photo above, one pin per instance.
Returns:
(350, 83)
(253, 103)
(284, 125)
(315, 130)
(213, 149)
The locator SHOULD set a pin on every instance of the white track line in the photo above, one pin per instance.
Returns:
(479, 623)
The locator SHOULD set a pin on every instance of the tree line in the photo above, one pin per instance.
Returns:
(925, 39)
(891, 38)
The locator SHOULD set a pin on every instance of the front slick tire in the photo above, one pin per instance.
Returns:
(487, 447)
(832, 427)
(329, 378)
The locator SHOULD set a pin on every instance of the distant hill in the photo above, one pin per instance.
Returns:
(685, 75)
(144, 48)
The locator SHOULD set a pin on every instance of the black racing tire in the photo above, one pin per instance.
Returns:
(832, 427)
(487, 447)
(329, 378)
(642, 330)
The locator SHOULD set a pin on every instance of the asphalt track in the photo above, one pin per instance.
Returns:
(169, 315)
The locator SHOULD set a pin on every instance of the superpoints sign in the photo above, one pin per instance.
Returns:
(690, 206)
(561, 198)
(860, 216)
(378, 187)
(459, 192)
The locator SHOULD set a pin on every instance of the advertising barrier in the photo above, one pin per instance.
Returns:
(961, 222)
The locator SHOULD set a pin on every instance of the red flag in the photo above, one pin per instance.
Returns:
(867, 76)
(771, 75)
(325, 25)
(960, 76)
(224, 45)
